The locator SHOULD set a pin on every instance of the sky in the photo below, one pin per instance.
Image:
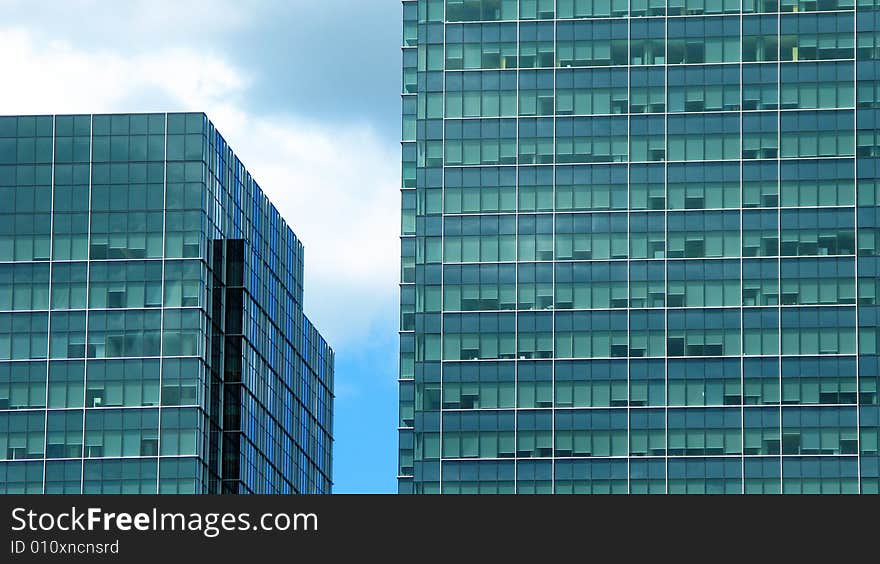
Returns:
(307, 94)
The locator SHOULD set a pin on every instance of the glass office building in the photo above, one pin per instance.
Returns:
(640, 246)
(152, 336)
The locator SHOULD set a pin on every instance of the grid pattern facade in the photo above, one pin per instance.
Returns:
(152, 337)
(640, 246)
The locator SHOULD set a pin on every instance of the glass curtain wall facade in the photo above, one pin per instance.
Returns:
(640, 246)
(152, 336)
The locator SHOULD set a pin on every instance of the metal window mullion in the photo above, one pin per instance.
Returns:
(553, 279)
(629, 254)
(87, 296)
(442, 238)
(162, 300)
(742, 414)
(779, 235)
(49, 311)
(516, 271)
(856, 250)
(666, 251)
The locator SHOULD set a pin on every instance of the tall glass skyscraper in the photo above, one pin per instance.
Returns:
(152, 336)
(640, 246)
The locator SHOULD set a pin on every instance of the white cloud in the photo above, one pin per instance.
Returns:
(134, 21)
(335, 184)
(56, 77)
